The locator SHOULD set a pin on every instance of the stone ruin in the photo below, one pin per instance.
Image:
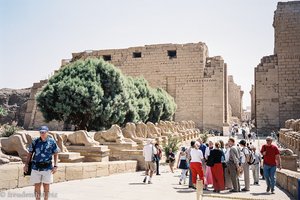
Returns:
(205, 81)
(115, 143)
(275, 96)
(289, 137)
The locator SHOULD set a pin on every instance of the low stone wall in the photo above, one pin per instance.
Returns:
(11, 175)
(288, 180)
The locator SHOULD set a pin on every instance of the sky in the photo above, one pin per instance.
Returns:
(36, 35)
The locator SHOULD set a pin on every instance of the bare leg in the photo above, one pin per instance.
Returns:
(37, 191)
(151, 173)
(46, 191)
(171, 168)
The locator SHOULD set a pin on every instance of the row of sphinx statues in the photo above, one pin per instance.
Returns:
(290, 135)
(14, 148)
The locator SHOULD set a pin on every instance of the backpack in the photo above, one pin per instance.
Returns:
(251, 157)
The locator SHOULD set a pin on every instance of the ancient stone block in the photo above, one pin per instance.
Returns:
(91, 153)
(89, 171)
(102, 169)
(74, 172)
(130, 166)
(9, 175)
(116, 167)
(289, 162)
(60, 174)
(9, 172)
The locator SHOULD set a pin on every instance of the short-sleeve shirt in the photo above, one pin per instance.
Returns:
(271, 152)
(43, 151)
(202, 148)
(196, 155)
(246, 155)
(148, 151)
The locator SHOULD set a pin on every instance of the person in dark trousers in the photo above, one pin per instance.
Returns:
(171, 158)
(244, 133)
(158, 156)
(189, 160)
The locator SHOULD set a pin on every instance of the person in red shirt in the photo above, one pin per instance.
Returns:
(271, 161)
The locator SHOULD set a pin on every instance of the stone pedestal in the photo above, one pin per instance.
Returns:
(289, 162)
(115, 149)
(91, 154)
(121, 146)
(70, 157)
(133, 155)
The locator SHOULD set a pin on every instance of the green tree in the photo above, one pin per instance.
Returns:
(116, 103)
(142, 98)
(73, 95)
(169, 106)
(93, 94)
(162, 105)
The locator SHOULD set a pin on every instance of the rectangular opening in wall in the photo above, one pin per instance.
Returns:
(137, 54)
(107, 57)
(172, 54)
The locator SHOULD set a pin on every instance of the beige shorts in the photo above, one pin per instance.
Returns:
(41, 177)
(149, 165)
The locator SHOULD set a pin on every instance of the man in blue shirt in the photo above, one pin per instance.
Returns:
(202, 146)
(42, 149)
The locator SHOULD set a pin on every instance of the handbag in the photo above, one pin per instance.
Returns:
(28, 173)
(154, 159)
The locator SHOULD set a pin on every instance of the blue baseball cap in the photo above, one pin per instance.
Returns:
(44, 129)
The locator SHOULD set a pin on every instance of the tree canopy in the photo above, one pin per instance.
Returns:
(93, 94)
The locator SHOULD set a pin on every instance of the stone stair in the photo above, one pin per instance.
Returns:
(70, 157)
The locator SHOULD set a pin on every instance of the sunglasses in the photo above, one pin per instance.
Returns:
(43, 132)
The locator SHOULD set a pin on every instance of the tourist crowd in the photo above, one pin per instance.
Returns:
(219, 164)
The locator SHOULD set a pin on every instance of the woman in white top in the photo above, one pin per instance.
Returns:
(196, 163)
(182, 164)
